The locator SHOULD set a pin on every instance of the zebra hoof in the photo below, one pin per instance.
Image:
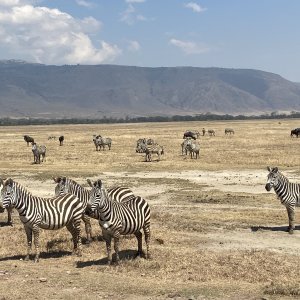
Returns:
(291, 231)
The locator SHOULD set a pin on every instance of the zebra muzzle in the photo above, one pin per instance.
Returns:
(268, 187)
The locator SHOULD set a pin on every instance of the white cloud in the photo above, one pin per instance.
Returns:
(130, 15)
(189, 47)
(51, 36)
(84, 3)
(135, 1)
(133, 46)
(195, 7)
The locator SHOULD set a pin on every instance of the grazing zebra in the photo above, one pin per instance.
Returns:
(100, 141)
(295, 132)
(287, 192)
(211, 132)
(193, 148)
(9, 209)
(61, 140)
(67, 185)
(151, 149)
(28, 139)
(46, 213)
(117, 219)
(192, 134)
(229, 131)
(38, 151)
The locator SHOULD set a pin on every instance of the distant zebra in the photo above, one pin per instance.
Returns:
(229, 131)
(184, 149)
(100, 141)
(211, 132)
(193, 148)
(117, 219)
(51, 137)
(144, 142)
(151, 149)
(203, 131)
(9, 209)
(67, 185)
(28, 139)
(38, 152)
(287, 192)
(46, 213)
(61, 140)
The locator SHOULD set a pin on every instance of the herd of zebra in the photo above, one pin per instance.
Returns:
(118, 211)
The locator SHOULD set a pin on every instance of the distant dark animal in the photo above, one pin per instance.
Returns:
(61, 140)
(28, 139)
(287, 192)
(295, 132)
(229, 131)
(38, 152)
(211, 132)
(203, 131)
(192, 134)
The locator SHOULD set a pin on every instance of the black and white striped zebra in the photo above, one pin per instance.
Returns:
(151, 149)
(2, 209)
(46, 213)
(38, 152)
(194, 148)
(116, 219)
(67, 185)
(287, 192)
(101, 142)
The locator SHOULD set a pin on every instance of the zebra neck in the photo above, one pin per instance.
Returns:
(282, 182)
(106, 210)
(23, 199)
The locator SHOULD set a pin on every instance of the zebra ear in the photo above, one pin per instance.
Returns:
(1, 182)
(99, 183)
(56, 180)
(275, 170)
(64, 180)
(269, 169)
(9, 182)
(89, 182)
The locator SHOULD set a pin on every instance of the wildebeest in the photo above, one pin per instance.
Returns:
(192, 134)
(295, 132)
(28, 139)
(61, 140)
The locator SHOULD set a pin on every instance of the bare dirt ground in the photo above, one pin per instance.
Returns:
(216, 232)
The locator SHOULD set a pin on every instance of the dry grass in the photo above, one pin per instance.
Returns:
(206, 242)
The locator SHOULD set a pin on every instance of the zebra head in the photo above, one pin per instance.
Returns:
(9, 194)
(62, 186)
(273, 177)
(97, 195)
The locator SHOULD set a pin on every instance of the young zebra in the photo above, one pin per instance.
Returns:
(9, 209)
(67, 185)
(38, 151)
(116, 219)
(287, 192)
(46, 213)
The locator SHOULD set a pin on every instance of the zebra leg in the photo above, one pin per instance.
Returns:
(116, 247)
(291, 215)
(74, 229)
(36, 235)
(29, 241)
(139, 237)
(9, 218)
(88, 227)
(107, 238)
(147, 240)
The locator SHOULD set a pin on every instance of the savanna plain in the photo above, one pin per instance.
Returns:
(216, 232)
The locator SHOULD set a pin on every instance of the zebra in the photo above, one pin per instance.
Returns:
(229, 131)
(145, 142)
(38, 151)
(117, 219)
(68, 185)
(193, 148)
(61, 140)
(211, 132)
(184, 144)
(46, 213)
(151, 149)
(287, 192)
(8, 209)
(28, 139)
(51, 137)
(100, 141)
(203, 131)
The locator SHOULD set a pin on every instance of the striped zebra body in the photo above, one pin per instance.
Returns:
(184, 144)
(100, 141)
(194, 148)
(151, 149)
(38, 152)
(67, 185)
(287, 192)
(116, 219)
(47, 213)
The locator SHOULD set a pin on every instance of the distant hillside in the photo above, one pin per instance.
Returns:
(36, 90)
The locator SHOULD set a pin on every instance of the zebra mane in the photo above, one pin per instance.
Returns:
(73, 182)
(21, 187)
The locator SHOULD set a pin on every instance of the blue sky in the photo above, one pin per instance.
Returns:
(255, 34)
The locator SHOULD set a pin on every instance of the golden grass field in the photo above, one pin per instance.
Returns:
(216, 232)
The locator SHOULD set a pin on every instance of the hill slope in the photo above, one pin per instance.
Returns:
(38, 90)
